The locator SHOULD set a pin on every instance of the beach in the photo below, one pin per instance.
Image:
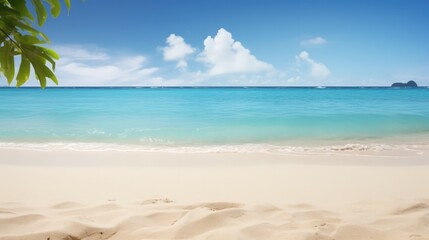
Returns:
(214, 163)
(214, 120)
(69, 194)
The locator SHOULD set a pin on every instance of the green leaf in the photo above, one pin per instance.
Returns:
(42, 72)
(55, 7)
(48, 73)
(51, 53)
(7, 11)
(3, 59)
(45, 37)
(7, 61)
(23, 72)
(40, 11)
(18, 36)
(22, 8)
(41, 78)
(25, 26)
(10, 73)
(68, 4)
(7, 27)
(28, 39)
(2, 36)
(40, 53)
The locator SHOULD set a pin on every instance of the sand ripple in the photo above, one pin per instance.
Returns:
(165, 219)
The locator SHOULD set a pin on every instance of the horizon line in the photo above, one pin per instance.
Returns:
(220, 86)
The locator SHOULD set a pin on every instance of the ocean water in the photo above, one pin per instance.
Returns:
(211, 116)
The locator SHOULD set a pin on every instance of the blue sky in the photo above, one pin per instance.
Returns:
(240, 42)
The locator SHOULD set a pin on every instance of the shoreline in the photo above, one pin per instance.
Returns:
(398, 145)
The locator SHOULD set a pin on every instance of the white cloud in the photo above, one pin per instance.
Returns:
(82, 66)
(314, 41)
(293, 79)
(79, 53)
(223, 55)
(317, 70)
(228, 62)
(177, 50)
(182, 64)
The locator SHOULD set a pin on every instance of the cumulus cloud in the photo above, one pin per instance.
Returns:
(223, 55)
(177, 50)
(82, 66)
(314, 41)
(317, 70)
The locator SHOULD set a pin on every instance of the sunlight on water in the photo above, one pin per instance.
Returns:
(210, 116)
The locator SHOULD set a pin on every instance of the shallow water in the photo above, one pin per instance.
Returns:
(211, 116)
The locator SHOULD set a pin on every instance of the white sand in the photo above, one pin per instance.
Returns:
(65, 194)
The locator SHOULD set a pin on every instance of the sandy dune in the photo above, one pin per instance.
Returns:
(164, 219)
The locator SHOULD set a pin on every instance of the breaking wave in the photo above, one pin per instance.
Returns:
(240, 148)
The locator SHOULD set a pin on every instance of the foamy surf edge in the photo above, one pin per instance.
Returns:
(239, 148)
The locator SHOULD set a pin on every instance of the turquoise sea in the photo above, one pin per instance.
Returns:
(211, 116)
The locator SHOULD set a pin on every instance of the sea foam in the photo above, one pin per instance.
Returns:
(240, 148)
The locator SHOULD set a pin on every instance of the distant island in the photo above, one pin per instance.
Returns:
(409, 84)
